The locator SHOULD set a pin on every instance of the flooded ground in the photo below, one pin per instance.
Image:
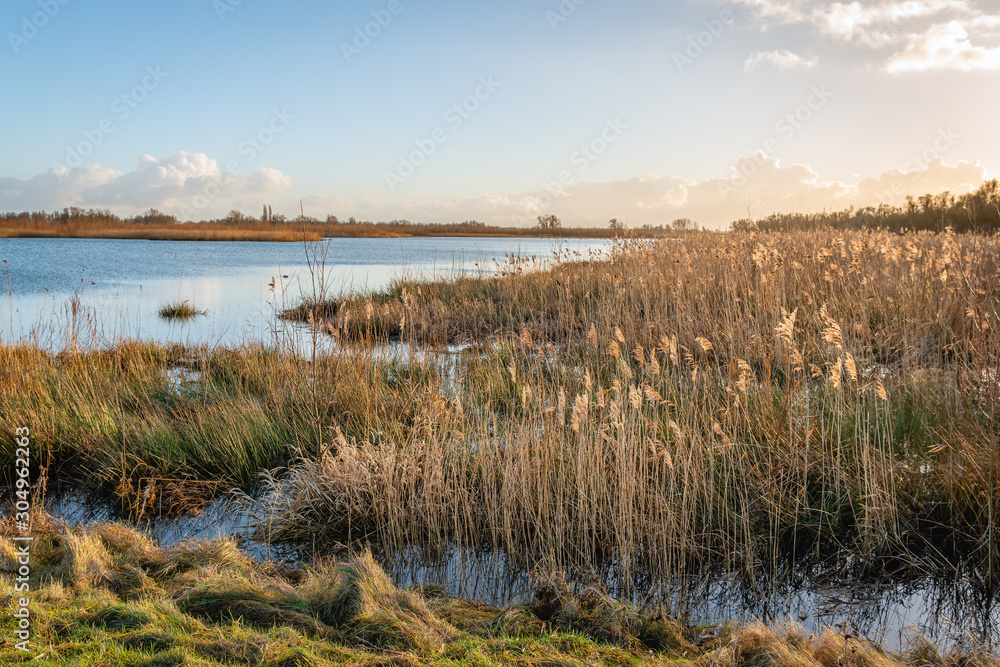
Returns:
(895, 612)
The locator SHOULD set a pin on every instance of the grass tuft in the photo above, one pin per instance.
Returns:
(181, 310)
(349, 613)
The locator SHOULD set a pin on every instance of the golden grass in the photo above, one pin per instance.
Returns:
(102, 225)
(176, 232)
(732, 400)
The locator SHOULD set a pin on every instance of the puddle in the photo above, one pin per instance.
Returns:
(951, 613)
(222, 517)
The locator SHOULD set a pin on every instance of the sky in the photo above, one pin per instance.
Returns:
(640, 110)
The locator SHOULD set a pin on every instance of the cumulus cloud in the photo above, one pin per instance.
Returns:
(192, 186)
(944, 47)
(757, 184)
(784, 60)
(184, 180)
(904, 35)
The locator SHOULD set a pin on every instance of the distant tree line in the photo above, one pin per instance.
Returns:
(80, 222)
(977, 211)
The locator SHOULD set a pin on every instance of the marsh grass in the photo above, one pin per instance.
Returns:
(735, 402)
(113, 420)
(181, 311)
(728, 403)
(109, 595)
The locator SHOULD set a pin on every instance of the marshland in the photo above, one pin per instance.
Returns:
(619, 430)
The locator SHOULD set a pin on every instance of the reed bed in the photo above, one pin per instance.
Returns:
(736, 401)
(156, 226)
(177, 232)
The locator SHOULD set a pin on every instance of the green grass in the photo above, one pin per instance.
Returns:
(108, 596)
(181, 310)
(116, 422)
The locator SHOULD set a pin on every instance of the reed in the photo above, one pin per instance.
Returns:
(735, 402)
(153, 225)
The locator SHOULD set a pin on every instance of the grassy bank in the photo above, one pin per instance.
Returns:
(178, 232)
(109, 596)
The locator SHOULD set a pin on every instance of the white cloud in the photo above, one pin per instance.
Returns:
(784, 60)
(905, 35)
(879, 24)
(769, 186)
(173, 183)
(944, 47)
(713, 202)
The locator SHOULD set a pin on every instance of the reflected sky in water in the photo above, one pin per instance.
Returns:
(122, 284)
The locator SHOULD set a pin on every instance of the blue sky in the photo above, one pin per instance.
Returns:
(697, 129)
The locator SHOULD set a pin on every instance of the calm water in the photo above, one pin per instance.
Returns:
(121, 284)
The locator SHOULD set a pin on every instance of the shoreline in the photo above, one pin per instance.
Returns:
(323, 232)
(109, 594)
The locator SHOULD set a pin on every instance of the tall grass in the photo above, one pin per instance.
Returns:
(126, 422)
(732, 401)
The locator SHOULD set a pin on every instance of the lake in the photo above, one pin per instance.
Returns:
(122, 284)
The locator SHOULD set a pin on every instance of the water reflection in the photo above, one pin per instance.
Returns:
(951, 612)
(120, 285)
